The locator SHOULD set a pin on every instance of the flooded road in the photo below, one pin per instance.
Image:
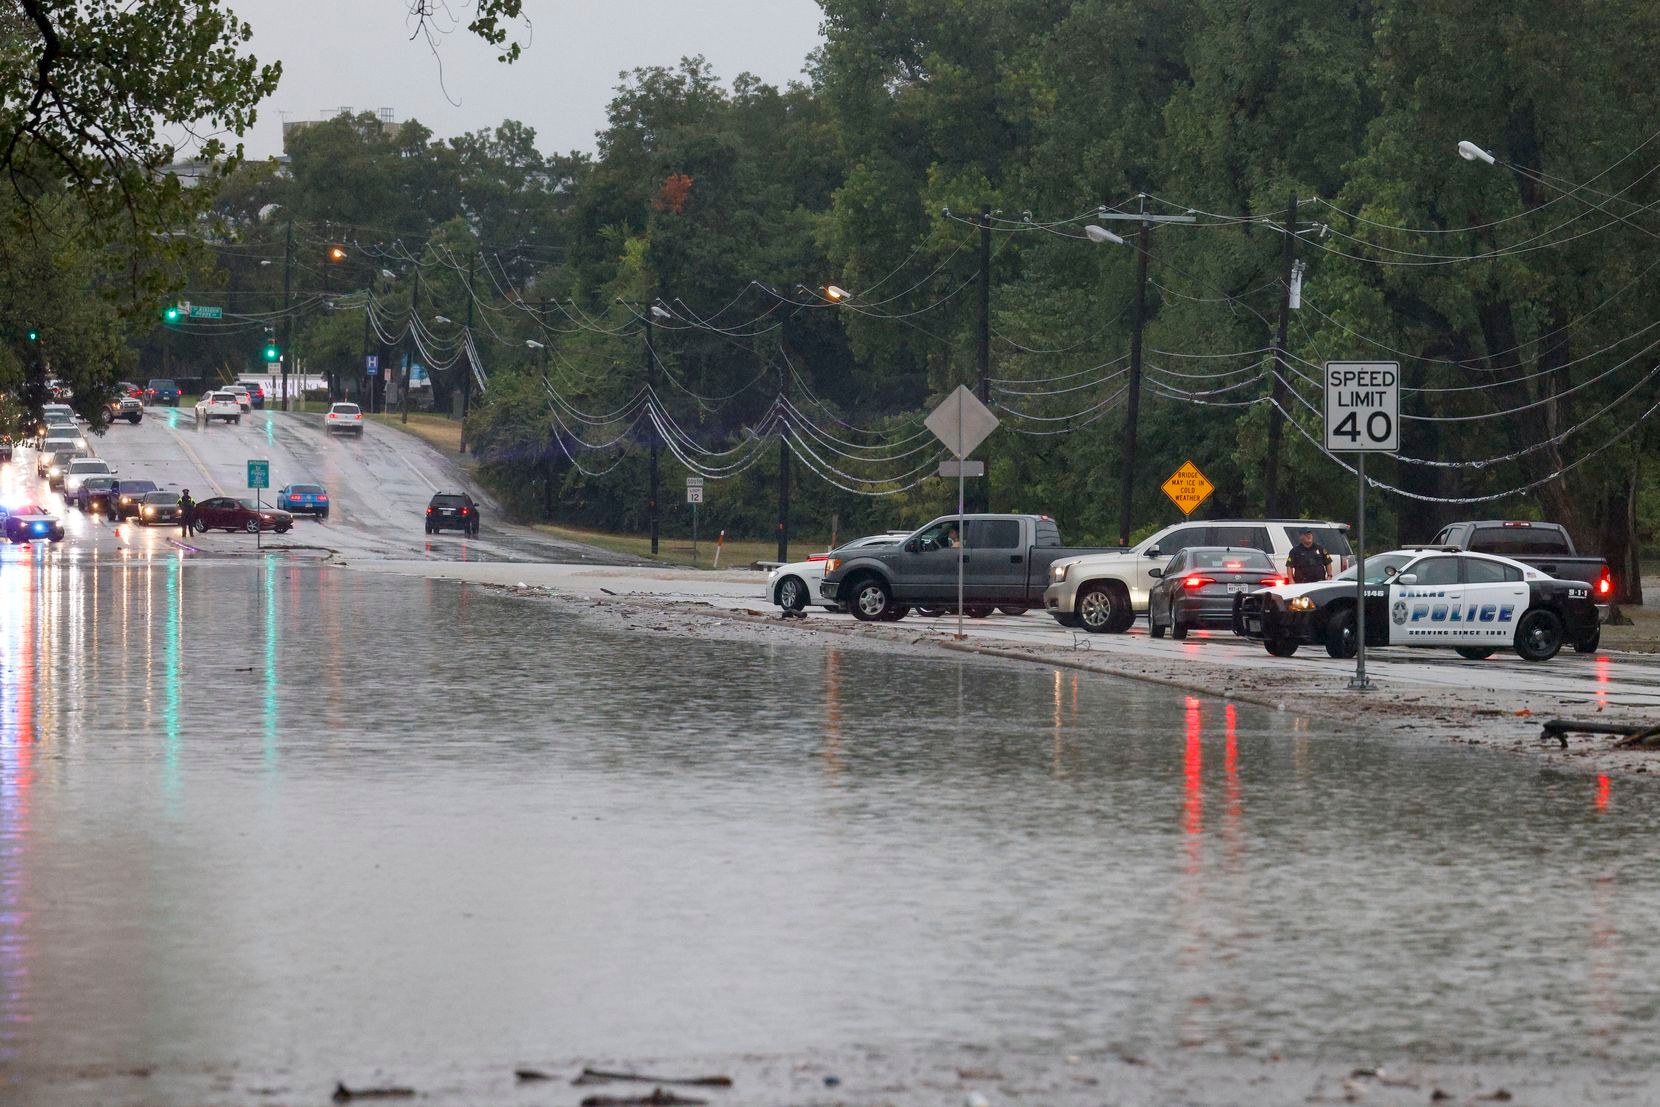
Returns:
(267, 826)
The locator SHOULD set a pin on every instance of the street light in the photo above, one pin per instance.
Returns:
(442, 319)
(1469, 151)
(661, 312)
(1102, 235)
(529, 342)
(837, 293)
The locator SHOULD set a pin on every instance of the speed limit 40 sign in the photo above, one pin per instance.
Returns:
(1363, 407)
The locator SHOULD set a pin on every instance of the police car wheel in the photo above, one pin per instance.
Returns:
(1280, 647)
(1539, 635)
(1591, 644)
(792, 594)
(1340, 634)
(1476, 653)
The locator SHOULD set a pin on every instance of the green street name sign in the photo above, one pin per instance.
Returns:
(200, 311)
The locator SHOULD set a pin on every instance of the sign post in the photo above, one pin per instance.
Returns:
(962, 422)
(1187, 487)
(259, 476)
(1363, 415)
(694, 496)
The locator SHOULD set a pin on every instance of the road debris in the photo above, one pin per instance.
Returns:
(601, 1076)
(343, 1094)
(659, 1097)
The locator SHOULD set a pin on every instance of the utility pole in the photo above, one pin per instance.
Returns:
(409, 359)
(553, 429)
(983, 389)
(287, 310)
(1132, 409)
(783, 453)
(651, 431)
(467, 377)
(1276, 414)
(365, 390)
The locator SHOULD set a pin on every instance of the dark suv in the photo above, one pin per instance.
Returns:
(453, 511)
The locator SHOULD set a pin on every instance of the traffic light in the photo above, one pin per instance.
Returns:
(34, 334)
(171, 315)
(272, 351)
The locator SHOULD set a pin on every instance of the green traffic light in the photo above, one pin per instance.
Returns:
(171, 315)
(34, 335)
(271, 352)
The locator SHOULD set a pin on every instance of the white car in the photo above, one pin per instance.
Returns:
(345, 418)
(218, 405)
(82, 468)
(792, 586)
(244, 398)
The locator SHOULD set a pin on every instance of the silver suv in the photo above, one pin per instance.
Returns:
(1105, 592)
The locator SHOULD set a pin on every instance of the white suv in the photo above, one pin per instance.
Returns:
(345, 418)
(82, 468)
(1105, 592)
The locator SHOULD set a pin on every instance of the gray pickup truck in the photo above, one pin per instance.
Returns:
(1546, 546)
(1005, 560)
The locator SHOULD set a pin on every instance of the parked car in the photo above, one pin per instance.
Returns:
(79, 470)
(31, 522)
(304, 499)
(1103, 593)
(218, 405)
(130, 494)
(159, 507)
(256, 392)
(1197, 586)
(1476, 604)
(244, 399)
(793, 585)
(161, 390)
(345, 418)
(1006, 561)
(452, 511)
(230, 513)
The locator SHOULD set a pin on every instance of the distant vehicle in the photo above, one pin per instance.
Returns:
(244, 398)
(1197, 586)
(128, 388)
(1104, 592)
(54, 464)
(159, 507)
(129, 496)
(1006, 560)
(229, 513)
(30, 522)
(161, 390)
(304, 499)
(256, 392)
(94, 496)
(453, 511)
(345, 418)
(125, 407)
(792, 585)
(218, 405)
(82, 468)
(5, 448)
(1476, 604)
(60, 389)
(1547, 547)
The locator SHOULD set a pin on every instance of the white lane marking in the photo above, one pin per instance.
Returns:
(196, 460)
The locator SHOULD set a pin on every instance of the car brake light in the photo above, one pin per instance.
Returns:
(464, 511)
(429, 511)
(1605, 583)
(321, 496)
(818, 557)
(1234, 565)
(1273, 582)
(1197, 582)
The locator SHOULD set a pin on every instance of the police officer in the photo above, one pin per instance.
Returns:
(1307, 562)
(187, 513)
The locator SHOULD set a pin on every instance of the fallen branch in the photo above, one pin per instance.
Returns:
(658, 1098)
(600, 1076)
(343, 1094)
(1632, 736)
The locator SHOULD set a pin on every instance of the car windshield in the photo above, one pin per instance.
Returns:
(95, 484)
(249, 504)
(306, 489)
(1380, 568)
(448, 501)
(1228, 559)
(137, 487)
(161, 384)
(163, 498)
(89, 465)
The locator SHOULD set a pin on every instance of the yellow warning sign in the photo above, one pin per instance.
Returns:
(1188, 488)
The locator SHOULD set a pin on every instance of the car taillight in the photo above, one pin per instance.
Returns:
(1272, 582)
(464, 510)
(1605, 583)
(322, 496)
(429, 511)
(1197, 582)
(818, 557)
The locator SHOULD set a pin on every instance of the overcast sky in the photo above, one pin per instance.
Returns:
(358, 54)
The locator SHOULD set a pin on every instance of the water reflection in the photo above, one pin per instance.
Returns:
(314, 819)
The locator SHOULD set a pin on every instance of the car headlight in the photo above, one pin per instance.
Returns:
(54, 471)
(1057, 572)
(1301, 603)
(831, 564)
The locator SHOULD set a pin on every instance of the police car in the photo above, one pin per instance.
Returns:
(1476, 604)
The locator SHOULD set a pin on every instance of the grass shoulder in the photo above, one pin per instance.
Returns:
(675, 550)
(438, 431)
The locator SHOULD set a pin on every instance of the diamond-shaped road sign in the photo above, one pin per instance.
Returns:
(961, 421)
(1187, 487)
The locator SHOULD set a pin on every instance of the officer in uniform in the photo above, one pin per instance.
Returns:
(1307, 562)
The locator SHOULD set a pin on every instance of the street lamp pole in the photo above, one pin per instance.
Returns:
(1276, 414)
(651, 432)
(983, 339)
(467, 377)
(409, 359)
(287, 309)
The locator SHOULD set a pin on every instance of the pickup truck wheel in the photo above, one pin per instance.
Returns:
(1101, 610)
(1340, 634)
(1280, 647)
(1013, 609)
(1591, 644)
(975, 612)
(792, 594)
(896, 613)
(932, 612)
(871, 599)
(1475, 653)
(1539, 635)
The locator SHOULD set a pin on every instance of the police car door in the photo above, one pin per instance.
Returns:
(1421, 613)
(1494, 598)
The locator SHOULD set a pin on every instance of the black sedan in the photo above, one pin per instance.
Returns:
(1198, 586)
(129, 496)
(158, 508)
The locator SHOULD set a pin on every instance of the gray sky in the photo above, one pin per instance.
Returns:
(357, 53)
